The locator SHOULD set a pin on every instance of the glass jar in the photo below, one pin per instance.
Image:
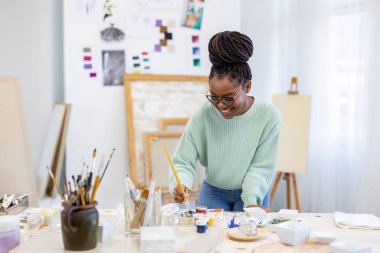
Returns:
(9, 232)
(170, 215)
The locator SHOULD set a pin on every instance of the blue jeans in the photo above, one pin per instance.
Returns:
(229, 200)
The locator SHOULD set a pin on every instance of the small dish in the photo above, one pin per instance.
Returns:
(234, 234)
(324, 237)
(349, 246)
(287, 214)
(292, 232)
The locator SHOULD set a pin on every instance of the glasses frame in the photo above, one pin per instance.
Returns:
(225, 100)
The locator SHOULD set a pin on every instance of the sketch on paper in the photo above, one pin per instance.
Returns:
(113, 67)
(194, 14)
(85, 10)
(162, 4)
(110, 33)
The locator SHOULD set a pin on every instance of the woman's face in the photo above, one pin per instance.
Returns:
(222, 87)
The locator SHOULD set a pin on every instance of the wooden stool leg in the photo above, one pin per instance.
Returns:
(286, 177)
(278, 177)
(295, 191)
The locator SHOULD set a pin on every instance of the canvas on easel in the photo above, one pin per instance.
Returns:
(294, 137)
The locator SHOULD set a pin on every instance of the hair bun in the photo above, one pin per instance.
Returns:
(229, 48)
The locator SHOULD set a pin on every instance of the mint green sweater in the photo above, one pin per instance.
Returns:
(238, 153)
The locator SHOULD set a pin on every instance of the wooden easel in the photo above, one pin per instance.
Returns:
(287, 178)
(292, 91)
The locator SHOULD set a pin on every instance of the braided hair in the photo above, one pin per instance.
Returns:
(229, 53)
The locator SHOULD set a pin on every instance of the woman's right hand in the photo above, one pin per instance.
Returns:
(179, 196)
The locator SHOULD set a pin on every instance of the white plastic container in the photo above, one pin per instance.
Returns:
(349, 246)
(106, 229)
(9, 232)
(324, 237)
(292, 232)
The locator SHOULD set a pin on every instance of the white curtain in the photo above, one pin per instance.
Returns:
(333, 48)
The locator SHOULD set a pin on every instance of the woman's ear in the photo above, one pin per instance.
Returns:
(247, 87)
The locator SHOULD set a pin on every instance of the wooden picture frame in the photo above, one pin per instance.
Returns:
(158, 167)
(173, 124)
(150, 98)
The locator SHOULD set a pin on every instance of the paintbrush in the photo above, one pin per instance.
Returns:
(55, 183)
(178, 180)
(108, 162)
(97, 181)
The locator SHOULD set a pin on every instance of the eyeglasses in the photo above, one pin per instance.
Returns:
(225, 100)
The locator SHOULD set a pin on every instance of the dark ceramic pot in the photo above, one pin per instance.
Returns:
(80, 227)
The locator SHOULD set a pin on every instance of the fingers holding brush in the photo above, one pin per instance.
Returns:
(179, 196)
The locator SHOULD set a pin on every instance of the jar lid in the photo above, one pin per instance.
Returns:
(198, 215)
(7, 221)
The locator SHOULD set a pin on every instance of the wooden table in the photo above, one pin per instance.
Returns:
(48, 241)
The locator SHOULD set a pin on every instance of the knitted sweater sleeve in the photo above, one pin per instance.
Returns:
(261, 170)
(184, 160)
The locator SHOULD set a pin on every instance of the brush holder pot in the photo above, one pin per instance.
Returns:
(80, 227)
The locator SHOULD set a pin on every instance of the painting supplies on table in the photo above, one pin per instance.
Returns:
(149, 205)
(138, 219)
(135, 194)
(83, 191)
(178, 180)
(11, 204)
(129, 207)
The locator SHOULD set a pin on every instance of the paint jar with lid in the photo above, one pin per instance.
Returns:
(9, 232)
(197, 216)
(201, 226)
(211, 219)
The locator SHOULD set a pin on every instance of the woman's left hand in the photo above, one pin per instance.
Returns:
(266, 209)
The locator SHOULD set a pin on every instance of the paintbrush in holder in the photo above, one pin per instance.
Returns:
(80, 218)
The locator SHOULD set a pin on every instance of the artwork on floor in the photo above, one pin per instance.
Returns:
(195, 51)
(111, 33)
(85, 10)
(113, 67)
(194, 14)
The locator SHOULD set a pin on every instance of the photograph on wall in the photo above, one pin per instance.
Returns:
(113, 67)
(194, 14)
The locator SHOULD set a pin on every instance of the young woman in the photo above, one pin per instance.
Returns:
(233, 135)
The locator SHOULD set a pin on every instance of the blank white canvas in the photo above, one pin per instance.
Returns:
(294, 136)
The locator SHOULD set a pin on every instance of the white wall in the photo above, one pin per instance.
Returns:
(31, 49)
(258, 22)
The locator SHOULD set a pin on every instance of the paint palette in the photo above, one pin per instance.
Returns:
(234, 234)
